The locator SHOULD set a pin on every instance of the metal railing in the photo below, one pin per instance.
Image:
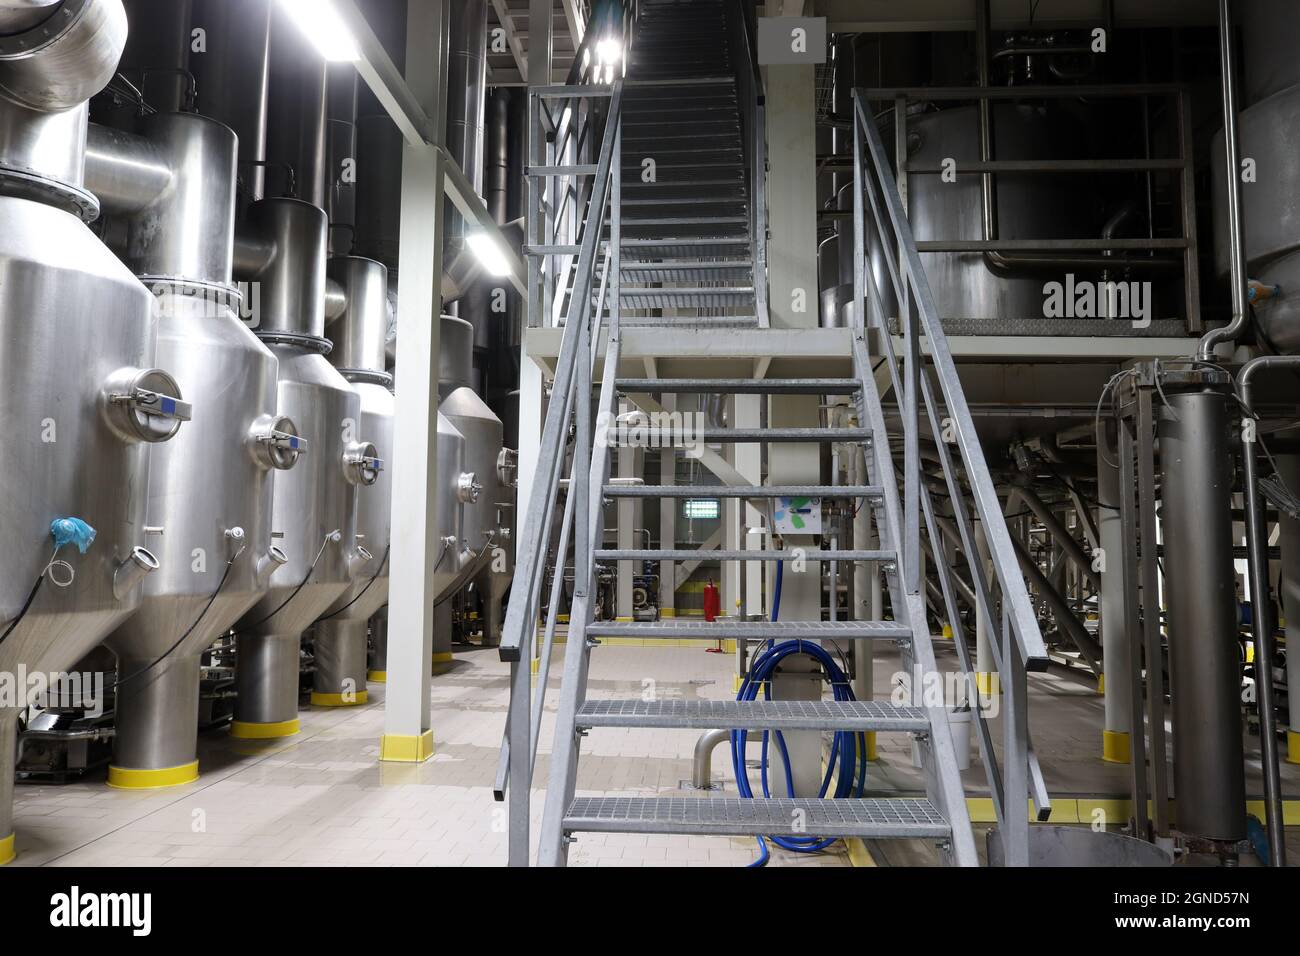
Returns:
(586, 305)
(1022, 256)
(880, 222)
(753, 130)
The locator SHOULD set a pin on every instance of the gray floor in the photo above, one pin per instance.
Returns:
(323, 797)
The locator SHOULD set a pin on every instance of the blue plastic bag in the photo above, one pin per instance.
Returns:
(72, 531)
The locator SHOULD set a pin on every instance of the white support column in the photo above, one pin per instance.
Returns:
(749, 464)
(1117, 666)
(792, 200)
(408, 732)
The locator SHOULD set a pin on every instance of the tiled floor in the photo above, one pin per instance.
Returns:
(323, 797)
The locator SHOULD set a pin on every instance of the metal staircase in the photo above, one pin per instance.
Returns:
(697, 260)
(691, 149)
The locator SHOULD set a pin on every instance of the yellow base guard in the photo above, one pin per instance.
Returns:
(250, 731)
(377, 677)
(339, 700)
(988, 683)
(128, 778)
(405, 748)
(7, 849)
(1292, 747)
(1101, 685)
(443, 657)
(1115, 746)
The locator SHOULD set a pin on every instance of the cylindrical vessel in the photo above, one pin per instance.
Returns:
(314, 505)
(1205, 673)
(76, 357)
(210, 489)
(359, 336)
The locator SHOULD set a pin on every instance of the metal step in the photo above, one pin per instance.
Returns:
(690, 322)
(870, 819)
(688, 298)
(716, 190)
(740, 270)
(850, 715)
(691, 554)
(740, 386)
(727, 630)
(724, 435)
(687, 247)
(742, 491)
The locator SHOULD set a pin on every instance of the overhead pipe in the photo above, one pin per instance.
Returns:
(1232, 166)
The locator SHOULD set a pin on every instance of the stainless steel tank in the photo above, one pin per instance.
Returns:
(488, 519)
(1270, 137)
(81, 402)
(209, 489)
(359, 336)
(1029, 206)
(315, 504)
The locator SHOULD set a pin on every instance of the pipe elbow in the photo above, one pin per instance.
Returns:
(357, 561)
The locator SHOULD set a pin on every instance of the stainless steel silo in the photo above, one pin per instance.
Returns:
(1270, 138)
(81, 401)
(314, 505)
(210, 489)
(359, 335)
(489, 518)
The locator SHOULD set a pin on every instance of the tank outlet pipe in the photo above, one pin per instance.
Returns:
(1232, 160)
(267, 565)
(468, 488)
(357, 561)
(702, 762)
(1261, 624)
(132, 571)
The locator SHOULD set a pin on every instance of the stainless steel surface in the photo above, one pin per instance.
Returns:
(358, 354)
(184, 231)
(292, 281)
(702, 759)
(315, 504)
(59, 64)
(466, 82)
(75, 325)
(1196, 484)
(126, 172)
(360, 332)
(17, 16)
(233, 76)
(488, 520)
(210, 489)
(456, 358)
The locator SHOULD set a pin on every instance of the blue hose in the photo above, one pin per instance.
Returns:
(848, 749)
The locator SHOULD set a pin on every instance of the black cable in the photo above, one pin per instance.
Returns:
(31, 596)
(294, 593)
(372, 580)
(188, 631)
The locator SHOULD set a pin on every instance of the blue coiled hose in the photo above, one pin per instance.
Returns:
(848, 749)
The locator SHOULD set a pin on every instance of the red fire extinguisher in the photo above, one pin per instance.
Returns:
(712, 601)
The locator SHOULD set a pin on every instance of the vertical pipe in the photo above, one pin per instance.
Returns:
(1116, 670)
(1232, 163)
(1289, 596)
(1196, 470)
